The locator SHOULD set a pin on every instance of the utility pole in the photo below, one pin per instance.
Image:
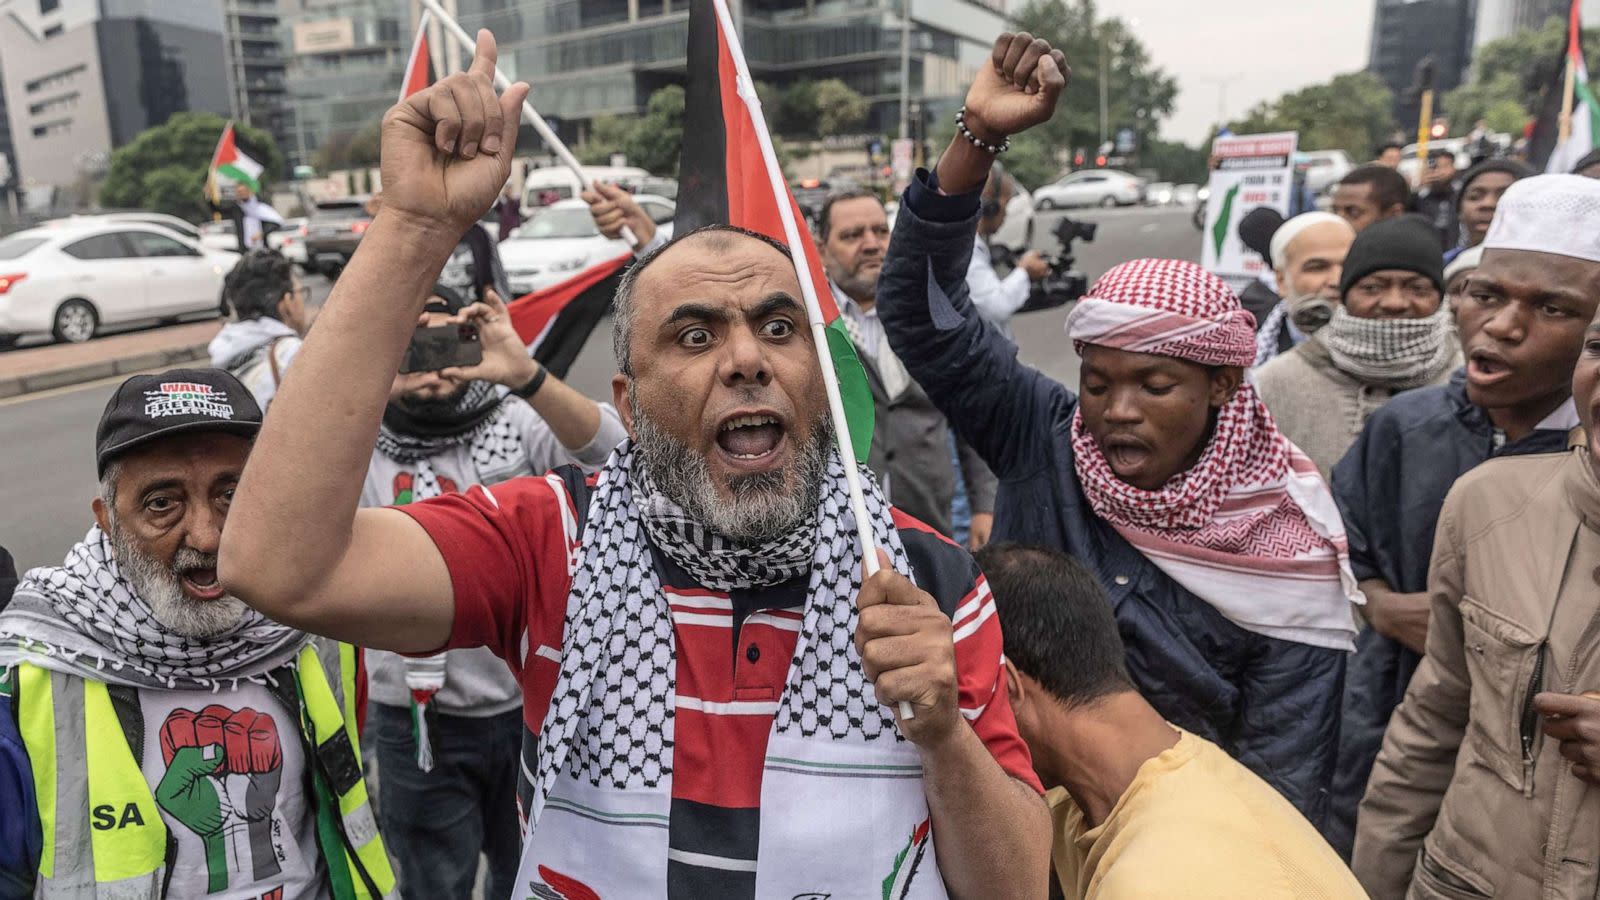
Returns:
(1105, 128)
(905, 69)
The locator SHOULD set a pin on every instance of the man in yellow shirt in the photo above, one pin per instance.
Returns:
(1141, 809)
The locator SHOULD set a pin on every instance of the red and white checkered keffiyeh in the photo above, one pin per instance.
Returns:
(1169, 308)
(1252, 528)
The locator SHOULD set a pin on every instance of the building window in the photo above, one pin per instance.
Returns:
(54, 79)
(48, 6)
(59, 126)
(52, 31)
(65, 101)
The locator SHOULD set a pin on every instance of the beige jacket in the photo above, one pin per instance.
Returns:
(1319, 407)
(1468, 798)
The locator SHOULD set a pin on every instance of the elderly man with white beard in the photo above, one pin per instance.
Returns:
(181, 744)
(710, 681)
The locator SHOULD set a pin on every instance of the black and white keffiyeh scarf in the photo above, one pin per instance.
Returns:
(613, 699)
(841, 798)
(84, 618)
(475, 418)
(1392, 353)
(712, 559)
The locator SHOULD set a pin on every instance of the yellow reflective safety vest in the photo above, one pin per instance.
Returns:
(68, 725)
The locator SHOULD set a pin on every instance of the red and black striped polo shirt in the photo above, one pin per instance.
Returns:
(510, 558)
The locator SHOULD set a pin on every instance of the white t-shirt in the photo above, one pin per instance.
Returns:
(228, 774)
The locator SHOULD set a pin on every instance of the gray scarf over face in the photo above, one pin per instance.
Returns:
(1398, 354)
(84, 618)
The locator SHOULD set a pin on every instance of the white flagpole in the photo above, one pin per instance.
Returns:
(802, 267)
(539, 125)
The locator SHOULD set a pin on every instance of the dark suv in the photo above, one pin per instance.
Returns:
(333, 232)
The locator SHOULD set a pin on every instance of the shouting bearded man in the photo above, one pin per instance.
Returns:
(709, 683)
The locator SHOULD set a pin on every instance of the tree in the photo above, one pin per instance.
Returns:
(812, 109)
(346, 149)
(651, 141)
(1508, 76)
(1139, 94)
(1177, 162)
(164, 167)
(1353, 112)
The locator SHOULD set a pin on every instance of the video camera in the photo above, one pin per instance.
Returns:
(1064, 283)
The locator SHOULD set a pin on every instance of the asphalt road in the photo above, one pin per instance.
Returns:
(46, 440)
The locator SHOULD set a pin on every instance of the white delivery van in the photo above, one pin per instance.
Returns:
(552, 183)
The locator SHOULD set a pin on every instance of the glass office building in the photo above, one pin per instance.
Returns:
(591, 57)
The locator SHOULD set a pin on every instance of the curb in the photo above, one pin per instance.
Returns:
(17, 385)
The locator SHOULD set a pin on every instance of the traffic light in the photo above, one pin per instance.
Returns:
(1077, 160)
(1100, 161)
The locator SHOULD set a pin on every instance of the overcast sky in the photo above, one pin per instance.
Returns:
(1261, 48)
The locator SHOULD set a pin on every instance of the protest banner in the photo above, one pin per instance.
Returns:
(1250, 171)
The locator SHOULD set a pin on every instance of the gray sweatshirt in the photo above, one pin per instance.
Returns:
(476, 682)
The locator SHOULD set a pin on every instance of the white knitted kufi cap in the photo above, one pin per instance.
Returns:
(1465, 261)
(1292, 229)
(1551, 214)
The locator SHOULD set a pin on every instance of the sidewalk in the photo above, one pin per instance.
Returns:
(58, 365)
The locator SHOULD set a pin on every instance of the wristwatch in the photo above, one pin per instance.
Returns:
(527, 391)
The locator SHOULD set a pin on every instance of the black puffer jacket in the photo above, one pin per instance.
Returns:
(1272, 704)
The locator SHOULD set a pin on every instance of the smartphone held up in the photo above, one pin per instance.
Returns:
(443, 347)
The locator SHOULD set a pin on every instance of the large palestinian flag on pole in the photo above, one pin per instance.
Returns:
(1580, 124)
(725, 177)
(228, 162)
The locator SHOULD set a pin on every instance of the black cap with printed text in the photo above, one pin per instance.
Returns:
(149, 407)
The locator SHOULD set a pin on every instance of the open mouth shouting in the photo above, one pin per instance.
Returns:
(751, 441)
(1129, 457)
(200, 582)
(1487, 367)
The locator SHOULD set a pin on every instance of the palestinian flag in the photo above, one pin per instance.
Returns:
(227, 162)
(729, 176)
(419, 65)
(1577, 135)
(555, 322)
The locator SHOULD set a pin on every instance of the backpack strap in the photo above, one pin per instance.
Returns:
(272, 360)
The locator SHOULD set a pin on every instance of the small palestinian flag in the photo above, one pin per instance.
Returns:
(1577, 138)
(555, 322)
(724, 179)
(228, 163)
(419, 66)
(906, 863)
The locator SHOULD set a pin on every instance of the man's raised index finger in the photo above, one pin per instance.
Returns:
(485, 55)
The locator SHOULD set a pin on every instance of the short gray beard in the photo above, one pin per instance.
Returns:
(765, 505)
(856, 286)
(159, 585)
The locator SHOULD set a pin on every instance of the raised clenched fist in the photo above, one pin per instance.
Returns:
(1018, 89)
(246, 741)
(224, 769)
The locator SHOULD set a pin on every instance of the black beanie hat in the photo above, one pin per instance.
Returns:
(1511, 167)
(1405, 242)
(1256, 230)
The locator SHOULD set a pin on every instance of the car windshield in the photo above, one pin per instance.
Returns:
(14, 247)
(558, 223)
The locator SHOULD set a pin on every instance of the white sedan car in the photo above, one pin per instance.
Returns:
(561, 240)
(70, 280)
(290, 240)
(1091, 187)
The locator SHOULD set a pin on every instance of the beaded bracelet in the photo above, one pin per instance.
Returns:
(974, 140)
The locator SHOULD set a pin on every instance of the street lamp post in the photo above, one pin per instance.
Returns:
(905, 69)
